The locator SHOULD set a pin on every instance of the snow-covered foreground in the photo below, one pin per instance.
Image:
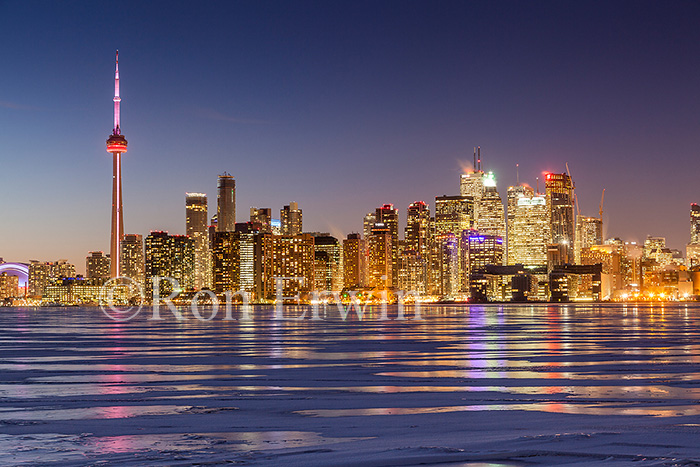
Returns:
(468, 385)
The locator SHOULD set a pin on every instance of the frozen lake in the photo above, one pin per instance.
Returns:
(468, 385)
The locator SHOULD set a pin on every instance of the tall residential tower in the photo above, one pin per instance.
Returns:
(226, 203)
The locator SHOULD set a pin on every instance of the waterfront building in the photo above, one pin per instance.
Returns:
(354, 261)
(132, 258)
(559, 190)
(97, 267)
(196, 215)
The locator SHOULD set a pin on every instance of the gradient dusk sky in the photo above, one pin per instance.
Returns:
(340, 106)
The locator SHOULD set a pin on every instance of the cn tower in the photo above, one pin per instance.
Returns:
(116, 144)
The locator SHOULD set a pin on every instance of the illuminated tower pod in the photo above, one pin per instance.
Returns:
(116, 144)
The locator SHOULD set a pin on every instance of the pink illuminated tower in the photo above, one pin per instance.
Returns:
(116, 144)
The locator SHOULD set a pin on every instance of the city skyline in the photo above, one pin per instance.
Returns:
(338, 170)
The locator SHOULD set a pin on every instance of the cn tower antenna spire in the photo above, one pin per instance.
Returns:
(116, 145)
(117, 99)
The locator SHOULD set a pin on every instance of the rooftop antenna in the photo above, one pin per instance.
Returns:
(538, 185)
(474, 158)
(517, 174)
(478, 148)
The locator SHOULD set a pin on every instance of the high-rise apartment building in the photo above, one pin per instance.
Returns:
(97, 266)
(417, 228)
(132, 258)
(560, 200)
(226, 262)
(38, 277)
(653, 245)
(367, 225)
(290, 258)
(694, 223)
(169, 256)
(196, 215)
(354, 261)
(389, 217)
(692, 249)
(291, 217)
(226, 203)
(329, 263)
(414, 254)
(380, 271)
(589, 232)
(62, 268)
(9, 286)
(250, 255)
(264, 217)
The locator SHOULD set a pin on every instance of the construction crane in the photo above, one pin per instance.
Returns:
(600, 211)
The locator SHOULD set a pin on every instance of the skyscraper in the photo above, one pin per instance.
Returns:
(291, 217)
(226, 203)
(367, 224)
(97, 266)
(389, 217)
(169, 256)
(589, 232)
(354, 261)
(453, 214)
(379, 264)
(226, 261)
(250, 238)
(528, 229)
(472, 183)
(560, 199)
(132, 257)
(446, 264)
(415, 252)
(290, 257)
(196, 224)
(38, 277)
(491, 219)
(264, 217)
(329, 263)
(417, 228)
(116, 145)
(484, 250)
(694, 224)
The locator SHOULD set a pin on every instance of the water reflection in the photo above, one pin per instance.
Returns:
(596, 360)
